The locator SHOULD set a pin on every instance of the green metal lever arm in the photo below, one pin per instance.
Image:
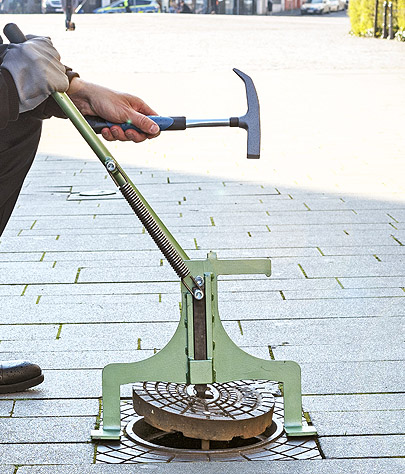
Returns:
(230, 267)
(117, 174)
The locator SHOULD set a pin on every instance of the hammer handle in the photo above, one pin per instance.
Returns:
(165, 123)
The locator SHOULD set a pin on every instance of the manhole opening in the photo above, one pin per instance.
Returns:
(175, 440)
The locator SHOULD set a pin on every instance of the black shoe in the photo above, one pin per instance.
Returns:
(18, 375)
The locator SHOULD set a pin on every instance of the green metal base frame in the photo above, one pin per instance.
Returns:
(225, 360)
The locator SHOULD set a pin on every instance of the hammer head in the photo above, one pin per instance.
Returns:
(251, 120)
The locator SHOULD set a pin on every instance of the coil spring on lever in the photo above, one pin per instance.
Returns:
(155, 231)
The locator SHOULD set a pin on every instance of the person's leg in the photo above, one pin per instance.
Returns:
(7, 208)
(15, 375)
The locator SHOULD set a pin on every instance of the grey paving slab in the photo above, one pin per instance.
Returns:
(326, 466)
(354, 308)
(379, 250)
(101, 288)
(344, 293)
(352, 377)
(352, 403)
(33, 332)
(274, 239)
(373, 282)
(28, 272)
(7, 469)
(85, 359)
(359, 423)
(358, 267)
(363, 446)
(306, 217)
(56, 408)
(20, 256)
(318, 332)
(340, 352)
(70, 384)
(6, 407)
(36, 429)
(50, 453)
(50, 315)
(11, 290)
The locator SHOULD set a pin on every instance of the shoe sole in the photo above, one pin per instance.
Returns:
(21, 386)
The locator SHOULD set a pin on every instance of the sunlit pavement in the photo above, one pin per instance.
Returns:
(81, 285)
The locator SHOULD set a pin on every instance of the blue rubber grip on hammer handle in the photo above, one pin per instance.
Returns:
(165, 123)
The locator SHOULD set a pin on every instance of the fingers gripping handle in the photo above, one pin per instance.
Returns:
(165, 123)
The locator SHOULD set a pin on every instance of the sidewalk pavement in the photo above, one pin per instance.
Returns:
(82, 285)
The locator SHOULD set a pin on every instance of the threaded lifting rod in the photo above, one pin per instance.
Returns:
(155, 231)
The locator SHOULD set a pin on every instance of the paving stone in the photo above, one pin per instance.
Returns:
(313, 309)
(69, 383)
(7, 469)
(33, 332)
(20, 256)
(345, 293)
(379, 250)
(56, 408)
(363, 446)
(340, 352)
(36, 429)
(6, 407)
(355, 267)
(51, 315)
(356, 402)
(101, 288)
(85, 359)
(50, 453)
(352, 377)
(359, 423)
(28, 272)
(373, 282)
(326, 466)
(318, 332)
(11, 290)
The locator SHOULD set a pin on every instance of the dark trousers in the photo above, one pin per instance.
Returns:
(18, 146)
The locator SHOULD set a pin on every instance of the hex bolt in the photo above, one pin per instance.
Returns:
(110, 165)
(198, 294)
(199, 280)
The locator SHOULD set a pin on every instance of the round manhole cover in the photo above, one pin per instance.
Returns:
(241, 408)
(98, 192)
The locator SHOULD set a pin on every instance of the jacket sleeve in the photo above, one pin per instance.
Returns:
(8, 99)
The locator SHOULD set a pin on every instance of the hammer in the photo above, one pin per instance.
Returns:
(250, 121)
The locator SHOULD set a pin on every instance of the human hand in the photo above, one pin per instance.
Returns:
(116, 107)
(36, 70)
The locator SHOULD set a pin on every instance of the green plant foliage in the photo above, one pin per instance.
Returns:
(361, 13)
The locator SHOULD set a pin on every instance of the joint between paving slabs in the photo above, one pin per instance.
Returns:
(302, 270)
(397, 240)
(78, 274)
(96, 427)
(339, 283)
(240, 327)
(59, 331)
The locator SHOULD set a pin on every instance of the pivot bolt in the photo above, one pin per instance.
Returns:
(199, 280)
(110, 165)
(198, 294)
